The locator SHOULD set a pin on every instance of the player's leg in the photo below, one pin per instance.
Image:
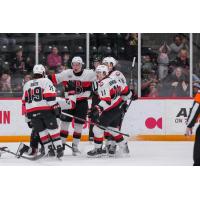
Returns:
(91, 134)
(98, 142)
(33, 148)
(104, 120)
(80, 112)
(54, 133)
(64, 125)
(117, 138)
(108, 140)
(114, 140)
(76, 138)
(39, 128)
(196, 152)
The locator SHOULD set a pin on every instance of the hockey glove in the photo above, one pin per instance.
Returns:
(57, 110)
(30, 124)
(134, 96)
(124, 107)
(71, 88)
(95, 113)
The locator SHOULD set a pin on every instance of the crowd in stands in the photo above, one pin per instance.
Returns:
(165, 70)
(165, 73)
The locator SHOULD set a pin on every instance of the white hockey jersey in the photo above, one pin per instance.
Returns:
(109, 94)
(38, 95)
(83, 82)
(121, 80)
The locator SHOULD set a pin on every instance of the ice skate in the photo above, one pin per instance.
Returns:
(95, 153)
(60, 152)
(22, 149)
(75, 150)
(112, 150)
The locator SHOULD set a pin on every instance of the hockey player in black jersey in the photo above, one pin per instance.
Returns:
(94, 94)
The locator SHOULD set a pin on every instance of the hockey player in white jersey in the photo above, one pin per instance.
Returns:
(107, 112)
(39, 99)
(78, 85)
(126, 94)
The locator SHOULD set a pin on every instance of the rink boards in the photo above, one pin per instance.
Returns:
(146, 119)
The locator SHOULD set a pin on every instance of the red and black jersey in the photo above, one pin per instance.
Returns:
(39, 95)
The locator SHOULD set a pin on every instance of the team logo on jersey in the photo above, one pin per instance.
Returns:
(117, 73)
(70, 76)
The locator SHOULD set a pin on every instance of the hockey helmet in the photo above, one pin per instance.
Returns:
(39, 69)
(77, 59)
(102, 69)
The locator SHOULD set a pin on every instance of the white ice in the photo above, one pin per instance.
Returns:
(141, 153)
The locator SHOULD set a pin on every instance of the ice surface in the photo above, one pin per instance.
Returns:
(142, 153)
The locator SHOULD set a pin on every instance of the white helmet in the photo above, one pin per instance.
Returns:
(110, 60)
(39, 69)
(77, 59)
(113, 61)
(102, 69)
(106, 60)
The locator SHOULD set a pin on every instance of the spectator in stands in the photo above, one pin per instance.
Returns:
(53, 59)
(149, 85)
(131, 45)
(175, 84)
(147, 64)
(5, 82)
(183, 59)
(163, 61)
(178, 44)
(17, 86)
(18, 63)
(96, 61)
(61, 68)
(196, 88)
(42, 58)
(27, 78)
(65, 60)
(29, 63)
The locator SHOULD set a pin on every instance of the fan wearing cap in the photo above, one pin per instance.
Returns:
(39, 99)
(107, 112)
(78, 85)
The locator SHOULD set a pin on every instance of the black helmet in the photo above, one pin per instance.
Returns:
(96, 58)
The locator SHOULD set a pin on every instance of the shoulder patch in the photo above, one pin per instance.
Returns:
(101, 83)
(117, 73)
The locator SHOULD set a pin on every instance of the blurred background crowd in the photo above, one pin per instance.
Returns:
(165, 59)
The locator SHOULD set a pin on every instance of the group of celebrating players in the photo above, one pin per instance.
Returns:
(109, 92)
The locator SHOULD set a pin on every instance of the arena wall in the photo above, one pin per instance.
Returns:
(146, 119)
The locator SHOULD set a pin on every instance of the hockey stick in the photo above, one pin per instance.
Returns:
(95, 124)
(68, 146)
(131, 83)
(5, 149)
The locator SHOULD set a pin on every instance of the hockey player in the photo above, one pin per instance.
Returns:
(39, 99)
(94, 94)
(78, 85)
(192, 118)
(126, 95)
(107, 112)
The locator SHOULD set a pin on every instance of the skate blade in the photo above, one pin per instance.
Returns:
(76, 153)
(97, 156)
